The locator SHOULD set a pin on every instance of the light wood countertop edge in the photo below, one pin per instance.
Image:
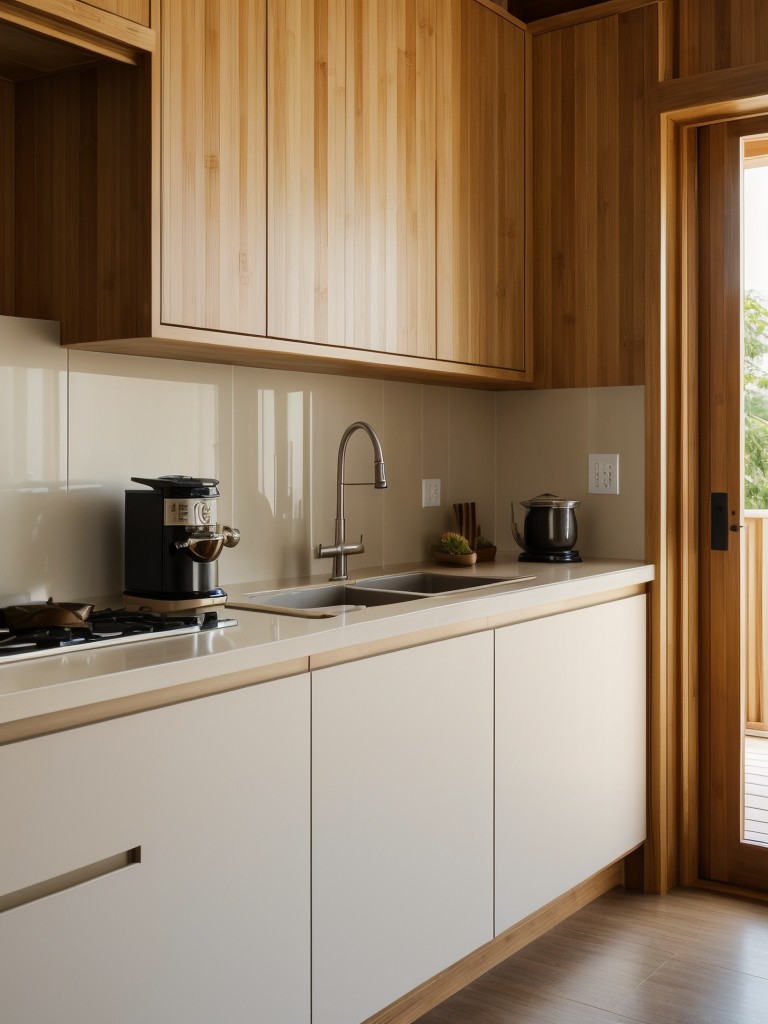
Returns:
(71, 718)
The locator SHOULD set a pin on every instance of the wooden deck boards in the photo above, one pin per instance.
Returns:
(756, 789)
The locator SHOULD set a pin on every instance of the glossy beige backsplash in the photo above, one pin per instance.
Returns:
(77, 426)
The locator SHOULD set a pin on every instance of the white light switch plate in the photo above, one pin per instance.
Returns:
(603, 474)
(430, 493)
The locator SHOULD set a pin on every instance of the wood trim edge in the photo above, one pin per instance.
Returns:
(71, 718)
(435, 991)
(579, 17)
(83, 25)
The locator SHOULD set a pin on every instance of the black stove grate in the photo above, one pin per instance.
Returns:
(105, 626)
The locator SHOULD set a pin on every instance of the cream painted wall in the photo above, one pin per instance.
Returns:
(76, 426)
(544, 438)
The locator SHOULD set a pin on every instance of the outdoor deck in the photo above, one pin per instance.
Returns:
(756, 789)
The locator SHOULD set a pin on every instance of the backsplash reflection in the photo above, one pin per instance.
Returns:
(78, 425)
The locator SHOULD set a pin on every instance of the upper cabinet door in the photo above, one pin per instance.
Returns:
(391, 157)
(481, 187)
(307, 159)
(352, 173)
(214, 165)
(133, 10)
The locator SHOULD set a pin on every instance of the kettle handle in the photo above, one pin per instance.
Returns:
(515, 532)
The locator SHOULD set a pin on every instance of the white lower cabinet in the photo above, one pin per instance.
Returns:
(213, 923)
(402, 828)
(570, 751)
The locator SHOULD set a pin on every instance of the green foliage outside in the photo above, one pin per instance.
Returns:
(755, 402)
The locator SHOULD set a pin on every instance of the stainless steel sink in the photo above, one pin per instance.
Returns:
(321, 601)
(325, 600)
(428, 583)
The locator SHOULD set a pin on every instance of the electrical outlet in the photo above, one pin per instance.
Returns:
(603, 474)
(430, 493)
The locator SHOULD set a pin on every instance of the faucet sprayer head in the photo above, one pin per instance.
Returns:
(379, 475)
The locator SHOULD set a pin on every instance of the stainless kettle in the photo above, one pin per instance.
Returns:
(549, 529)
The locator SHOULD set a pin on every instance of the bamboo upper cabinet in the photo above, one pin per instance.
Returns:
(352, 173)
(480, 187)
(132, 10)
(595, 141)
(213, 154)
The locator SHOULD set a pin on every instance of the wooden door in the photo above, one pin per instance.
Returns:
(213, 206)
(481, 186)
(724, 855)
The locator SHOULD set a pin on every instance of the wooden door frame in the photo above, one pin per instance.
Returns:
(672, 475)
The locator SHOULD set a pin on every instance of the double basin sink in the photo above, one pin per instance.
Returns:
(325, 600)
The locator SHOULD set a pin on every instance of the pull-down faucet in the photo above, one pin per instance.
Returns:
(340, 549)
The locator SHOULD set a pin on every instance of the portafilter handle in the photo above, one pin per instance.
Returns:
(204, 545)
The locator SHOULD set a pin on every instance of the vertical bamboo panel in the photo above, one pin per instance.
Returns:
(133, 10)
(82, 202)
(214, 165)
(480, 187)
(390, 253)
(307, 170)
(590, 85)
(719, 34)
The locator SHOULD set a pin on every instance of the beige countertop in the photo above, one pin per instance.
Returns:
(264, 643)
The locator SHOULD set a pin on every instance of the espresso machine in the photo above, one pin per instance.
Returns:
(172, 543)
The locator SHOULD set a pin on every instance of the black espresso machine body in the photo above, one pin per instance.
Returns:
(173, 541)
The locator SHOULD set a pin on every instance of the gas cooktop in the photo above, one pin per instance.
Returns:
(104, 628)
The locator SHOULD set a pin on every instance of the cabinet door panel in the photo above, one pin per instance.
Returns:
(391, 166)
(307, 175)
(481, 187)
(570, 751)
(214, 165)
(132, 10)
(402, 822)
(213, 923)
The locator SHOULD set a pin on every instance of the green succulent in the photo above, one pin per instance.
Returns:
(453, 544)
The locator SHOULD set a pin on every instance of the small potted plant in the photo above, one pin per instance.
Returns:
(453, 549)
(484, 549)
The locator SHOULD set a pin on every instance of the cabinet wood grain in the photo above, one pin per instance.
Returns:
(306, 93)
(132, 10)
(213, 204)
(719, 34)
(391, 184)
(99, 27)
(7, 196)
(83, 202)
(352, 174)
(481, 187)
(592, 151)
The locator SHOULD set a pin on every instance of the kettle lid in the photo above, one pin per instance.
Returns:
(548, 500)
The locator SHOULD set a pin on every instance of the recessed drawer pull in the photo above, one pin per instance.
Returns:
(70, 879)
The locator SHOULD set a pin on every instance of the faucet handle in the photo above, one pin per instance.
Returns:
(332, 550)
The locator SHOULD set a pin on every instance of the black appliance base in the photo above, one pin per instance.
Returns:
(550, 556)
